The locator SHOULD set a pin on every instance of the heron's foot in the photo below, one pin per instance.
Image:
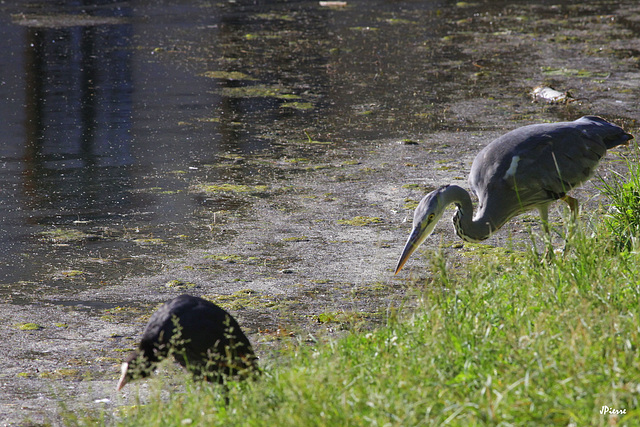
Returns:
(548, 256)
(562, 251)
(550, 252)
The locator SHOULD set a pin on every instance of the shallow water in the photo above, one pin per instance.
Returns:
(94, 117)
(103, 103)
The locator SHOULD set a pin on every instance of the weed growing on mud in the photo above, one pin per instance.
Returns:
(623, 216)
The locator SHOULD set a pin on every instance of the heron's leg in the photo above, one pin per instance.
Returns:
(544, 217)
(574, 206)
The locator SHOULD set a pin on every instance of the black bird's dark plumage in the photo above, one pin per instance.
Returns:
(200, 335)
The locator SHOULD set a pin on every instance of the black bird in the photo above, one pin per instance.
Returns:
(201, 336)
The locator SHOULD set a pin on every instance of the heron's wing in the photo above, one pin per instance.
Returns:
(534, 165)
(549, 165)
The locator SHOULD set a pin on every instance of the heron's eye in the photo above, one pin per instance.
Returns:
(431, 216)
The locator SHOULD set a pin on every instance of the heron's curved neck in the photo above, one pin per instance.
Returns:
(470, 229)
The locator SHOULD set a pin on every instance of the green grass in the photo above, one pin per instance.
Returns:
(513, 341)
(623, 216)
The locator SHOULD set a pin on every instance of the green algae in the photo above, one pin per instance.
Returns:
(229, 188)
(61, 373)
(208, 119)
(72, 273)
(25, 374)
(65, 235)
(410, 204)
(572, 72)
(341, 317)
(360, 221)
(298, 105)
(396, 21)
(243, 299)
(422, 188)
(179, 284)
(223, 257)
(257, 91)
(28, 326)
(275, 16)
(313, 141)
(296, 239)
(227, 75)
(149, 241)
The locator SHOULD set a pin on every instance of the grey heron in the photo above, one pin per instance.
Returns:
(529, 167)
(199, 334)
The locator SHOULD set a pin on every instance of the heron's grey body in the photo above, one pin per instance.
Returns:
(529, 167)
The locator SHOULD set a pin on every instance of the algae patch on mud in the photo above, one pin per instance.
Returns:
(222, 257)
(229, 188)
(573, 72)
(63, 20)
(257, 91)
(65, 235)
(296, 239)
(151, 241)
(61, 373)
(341, 317)
(243, 299)
(410, 204)
(227, 75)
(360, 221)
(28, 327)
(298, 105)
(180, 284)
(422, 188)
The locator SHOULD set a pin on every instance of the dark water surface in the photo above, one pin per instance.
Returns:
(105, 107)
(112, 110)
(97, 109)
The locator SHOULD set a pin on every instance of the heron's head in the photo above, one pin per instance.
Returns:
(425, 218)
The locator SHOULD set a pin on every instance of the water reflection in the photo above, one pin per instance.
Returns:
(78, 118)
(67, 151)
(116, 102)
(79, 91)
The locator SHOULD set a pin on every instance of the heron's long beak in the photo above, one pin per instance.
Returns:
(415, 239)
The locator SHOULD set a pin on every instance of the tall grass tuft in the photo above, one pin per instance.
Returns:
(623, 217)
